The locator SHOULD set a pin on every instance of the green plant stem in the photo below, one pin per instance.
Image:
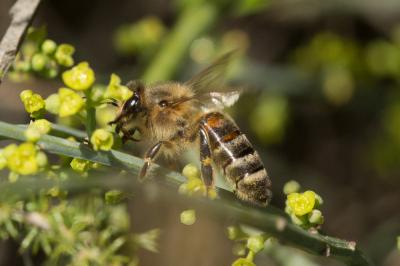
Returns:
(90, 115)
(194, 20)
(270, 220)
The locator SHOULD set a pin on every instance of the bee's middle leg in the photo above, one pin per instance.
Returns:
(205, 160)
(149, 158)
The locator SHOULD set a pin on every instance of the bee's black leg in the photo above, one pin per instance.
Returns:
(148, 159)
(205, 159)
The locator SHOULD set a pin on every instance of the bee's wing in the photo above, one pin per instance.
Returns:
(217, 100)
(208, 85)
(212, 77)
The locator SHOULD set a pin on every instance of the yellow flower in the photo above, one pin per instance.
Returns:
(80, 165)
(116, 90)
(102, 140)
(33, 102)
(70, 102)
(22, 159)
(81, 77)
(301, 203)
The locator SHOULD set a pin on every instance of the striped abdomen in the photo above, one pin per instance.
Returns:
(241, 164)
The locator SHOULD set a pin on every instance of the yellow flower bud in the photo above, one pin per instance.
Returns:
(80, 165)
(102, 140)
(36, 129)
(53, 103)
(23, 159)
(255, 243)
(191, 171)
(188, 217)
(80, 77)
(116, 90)
(64, 54)
(291, 187)
(33, 102)
(42, 125)
(32, 134)
(301, 203)
(41, 159)
(70, 102)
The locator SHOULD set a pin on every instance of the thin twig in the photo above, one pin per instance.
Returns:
(21, 13)
(269, 219)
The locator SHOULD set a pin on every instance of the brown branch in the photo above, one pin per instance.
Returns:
(21, 13)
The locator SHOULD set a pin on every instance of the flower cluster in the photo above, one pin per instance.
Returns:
(247, 240)
(303, 207)
(194, 184)
(41, 56)
(24, 159)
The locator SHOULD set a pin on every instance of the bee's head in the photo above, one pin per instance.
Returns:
(131, 107)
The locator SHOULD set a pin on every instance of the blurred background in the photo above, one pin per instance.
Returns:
(322, 105)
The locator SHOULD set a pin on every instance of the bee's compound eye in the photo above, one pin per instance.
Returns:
(132, 104)
(163, 103)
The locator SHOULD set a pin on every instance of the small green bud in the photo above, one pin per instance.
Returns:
(255, 243)
(32, 134)
(188, 217)
(53, 103)
(297, 220)
(81, 77)
(114, 197)
(291, 187)
(49, 47)
(39, 62)
(70, 102)
(191, 171)
(64, 54)
(41, 159)
(318, 200)
(243, 262)
(315, 217)
(101, 139)
(301, 203)
(80, 165)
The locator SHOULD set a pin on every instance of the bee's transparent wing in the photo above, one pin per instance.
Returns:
(217, 100)
(212, 77)
(209, 88)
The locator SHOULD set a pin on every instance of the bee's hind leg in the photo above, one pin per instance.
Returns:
(205, 160)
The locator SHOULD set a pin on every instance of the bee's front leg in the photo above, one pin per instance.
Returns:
(205, 159)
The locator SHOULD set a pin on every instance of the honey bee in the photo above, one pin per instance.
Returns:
(176, 116)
